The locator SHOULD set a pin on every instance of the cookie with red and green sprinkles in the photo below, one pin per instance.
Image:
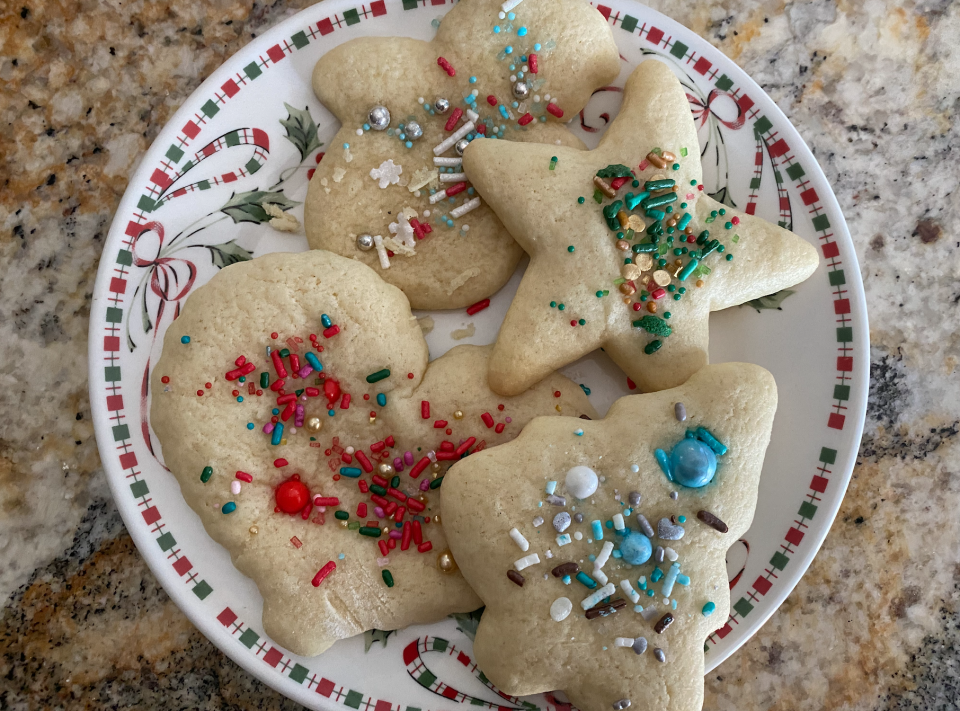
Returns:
(390, 190)
(598, 547)
(627, 251)
(294, 403)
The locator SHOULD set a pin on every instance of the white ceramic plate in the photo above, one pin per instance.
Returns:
(195, 205)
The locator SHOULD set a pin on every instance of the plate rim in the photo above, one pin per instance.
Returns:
(181, 595)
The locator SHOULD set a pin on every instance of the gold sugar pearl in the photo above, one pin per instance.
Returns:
(636, 224)
(661, 277)
(314, 424)
(699, 283)
(386, 530)
(435, 467)
(628, 288)
(678, 262)
(445, 562)
(436, 519)
(623, 245)
(558, 408)
(651, 307)
(458, 415)
(343, 524)
(254, 530)
(386, 469)
(644, 261)
(627, 300)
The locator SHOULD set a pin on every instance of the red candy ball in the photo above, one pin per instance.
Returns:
(292, 496)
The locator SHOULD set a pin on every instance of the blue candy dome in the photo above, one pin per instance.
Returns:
(636, 548)
(692, 463)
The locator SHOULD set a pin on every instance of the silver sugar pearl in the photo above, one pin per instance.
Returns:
(413, 130)
(441, 105)
(521, 90)
(634, 498)
(379, 118)
(461, 146)
(621, 704)
(365, 243)
(578, 517)
(659, 655)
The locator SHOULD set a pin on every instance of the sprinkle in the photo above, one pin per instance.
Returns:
(516, 578)
(597, 529)
(537, 521)
(387, 577)
(555, 110)
(631, 593)
(709, 519)
(563, 539)
(565, 569)
(561, 522)
(478, 307)
(668, 531)
(622, 703)
(243, 476)
(448, 68)
(606, 609)
(378, 376)
(525, 119)
(712, 442)
(556, 500)
(448, 162)
(604, 556)
(664, 462)
(381, 399)
(206, 474)
(551, 487)
(597, 595)
(663, 623)
(517, 537)
(323, 573)
(560, 609)
(659, 655)
(708, 609)
(452, 139)
(680, 412)
(185, 340)
(277, 434)
(618, 521)
(228, 507)
(384, 261)
(671, 554)
(645, 525)
(586, 580)
(670, 578)
(526, 561)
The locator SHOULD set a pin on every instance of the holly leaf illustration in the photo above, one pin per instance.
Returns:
(771, 301)
(468, 622)
(723, 196)
(248, 207)
(301, 130)
(223, 255)
(371, 636)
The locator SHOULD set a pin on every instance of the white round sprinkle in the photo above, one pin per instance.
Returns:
(426, 213)
(560, 608)
(359, 131)
(350, 450)
(502, 15)
(546, 97)
(578, 536)
(634, 468)
(465, 228)
(420, 100)
(513, 77)
(582, 482)
(536, 98)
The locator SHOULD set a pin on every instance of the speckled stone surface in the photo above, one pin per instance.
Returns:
(874, 88)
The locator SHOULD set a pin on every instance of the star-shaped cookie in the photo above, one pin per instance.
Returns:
(625, 255)
(600, 575)
(297, 376)
(519, 75)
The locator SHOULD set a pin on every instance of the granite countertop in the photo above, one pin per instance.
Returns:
(874, 88)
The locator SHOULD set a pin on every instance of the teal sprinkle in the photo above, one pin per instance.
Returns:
(229, 507)
(275, 411)
(340, 556)
(240, 398)
(381, 399)
(346, 146)
(581, 200)
(650, 593)
(586, 390)
(708, 609)
(536, 47)
(656, 575)
(250, 425)
(185, 339)
(682, 519)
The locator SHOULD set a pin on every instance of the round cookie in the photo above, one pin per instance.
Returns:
(651, 546)
(351, 194)
(259, 500)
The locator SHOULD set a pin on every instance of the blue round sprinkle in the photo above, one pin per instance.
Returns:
(452, 200)
(512, 16)
(536, 47)
(508, 49)
(341, 556)
(636, 548)
(513, 67)
(250, 425)
(522, 32)
(473, 80)
(185, 339)
(470, 191)
(331, 412)
(366, 127)
(693, 463)
(543, 119)
(523, 58)
(228, 508)
(275, 411)
(408, 144)
(519, 75)
(239, 398)
(515, 104)
(346, 146)
(496, 30)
